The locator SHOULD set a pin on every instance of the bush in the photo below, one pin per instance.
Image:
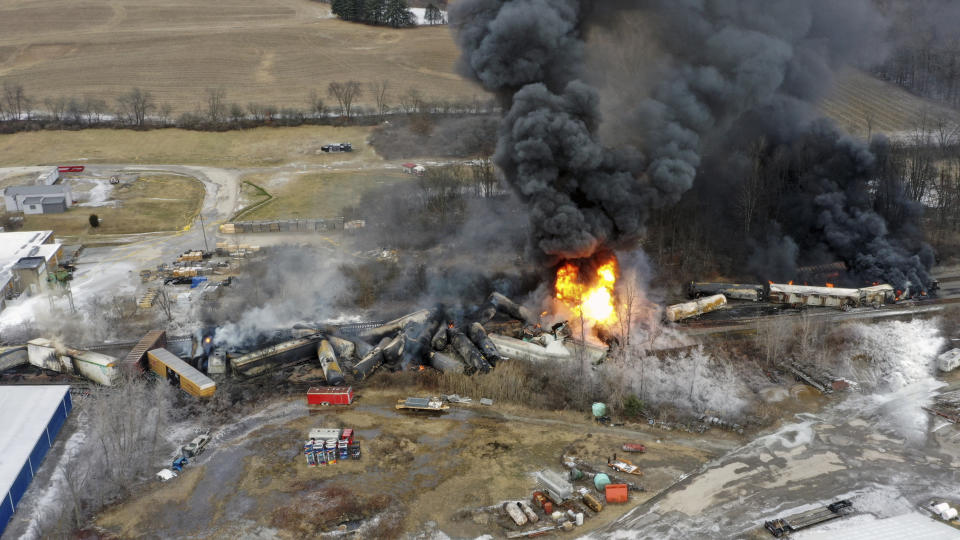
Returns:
(94, 220)
(632, 407)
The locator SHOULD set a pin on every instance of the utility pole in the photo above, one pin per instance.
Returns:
(204, 231)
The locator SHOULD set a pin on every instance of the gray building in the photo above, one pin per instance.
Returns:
(38, 199)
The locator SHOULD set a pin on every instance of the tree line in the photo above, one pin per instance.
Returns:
(138, 108)
(394, 13)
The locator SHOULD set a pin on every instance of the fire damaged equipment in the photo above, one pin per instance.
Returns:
(468, 351)
(780, 526)
(509, 307)
(328, 362)
(445, 363)
(371, 361)
(735, 291)
(478, 336)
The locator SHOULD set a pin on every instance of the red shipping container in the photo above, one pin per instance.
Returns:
(70, 168)
(330, 395)
(616, 493)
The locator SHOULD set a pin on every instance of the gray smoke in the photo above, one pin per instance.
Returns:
(717, 65)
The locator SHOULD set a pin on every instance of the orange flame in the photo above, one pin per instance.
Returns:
(596, 299)
(829, 285)
(790, 282)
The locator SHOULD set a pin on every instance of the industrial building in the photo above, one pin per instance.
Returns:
(35, 246)
(53, 199)
(32, 418)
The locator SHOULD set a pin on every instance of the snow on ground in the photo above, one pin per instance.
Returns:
(902, 356)
(55, 493)
(89, 283)
(98, 194)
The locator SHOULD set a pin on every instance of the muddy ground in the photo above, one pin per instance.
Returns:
(417, 474)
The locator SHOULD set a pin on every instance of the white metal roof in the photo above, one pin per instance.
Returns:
(26, 412)
(14, 191)
(184, 369)
(16, 245)
(914, 526)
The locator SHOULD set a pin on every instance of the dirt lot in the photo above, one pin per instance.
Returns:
(273, 51)
(446, 469)
(247, 148)
(317, 195)
(149, 203)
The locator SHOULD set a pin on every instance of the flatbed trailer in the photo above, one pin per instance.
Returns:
(422, 404)
(780, 526)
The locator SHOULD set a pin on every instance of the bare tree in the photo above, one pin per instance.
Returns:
(751, 188)
(136, 105)
(237, 114)
(56, 108)
(16, 100)
(165, 112)
(345, 93)
(317, 108)
(412, 101)
(164, 303)
(216, 105)
(95, 108)
(76, 110)
(379, 91)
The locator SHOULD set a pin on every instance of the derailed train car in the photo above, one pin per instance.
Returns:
(842, 298)
(263, 360)
(688, 310)
(734, 291)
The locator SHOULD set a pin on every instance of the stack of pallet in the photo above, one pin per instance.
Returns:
(228, 228)
(147, 301)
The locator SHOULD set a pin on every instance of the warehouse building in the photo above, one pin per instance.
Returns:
(25, 257)
(32, 418)
(53, 199)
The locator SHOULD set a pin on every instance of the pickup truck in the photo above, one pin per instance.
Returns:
(196, 446)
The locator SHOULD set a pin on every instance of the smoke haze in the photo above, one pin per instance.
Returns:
(717, 77)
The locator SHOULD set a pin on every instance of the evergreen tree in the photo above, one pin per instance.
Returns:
(374, 11)
(336, 7)
(352, 10)
(398, 15)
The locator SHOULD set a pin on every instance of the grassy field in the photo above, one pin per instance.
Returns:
(316, 195)
(859, 99)
(273, 51)
(151, 203)
(247, 148)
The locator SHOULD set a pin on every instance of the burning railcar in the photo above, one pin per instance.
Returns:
(734, 291)
(838, 297)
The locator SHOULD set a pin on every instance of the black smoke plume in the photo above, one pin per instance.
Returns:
(716, 66)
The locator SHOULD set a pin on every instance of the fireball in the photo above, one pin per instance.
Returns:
(591, 298)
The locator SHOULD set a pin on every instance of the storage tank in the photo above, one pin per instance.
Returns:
(686, 310)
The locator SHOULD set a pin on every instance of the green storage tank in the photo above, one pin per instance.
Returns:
(599, 409)
(601, 480)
